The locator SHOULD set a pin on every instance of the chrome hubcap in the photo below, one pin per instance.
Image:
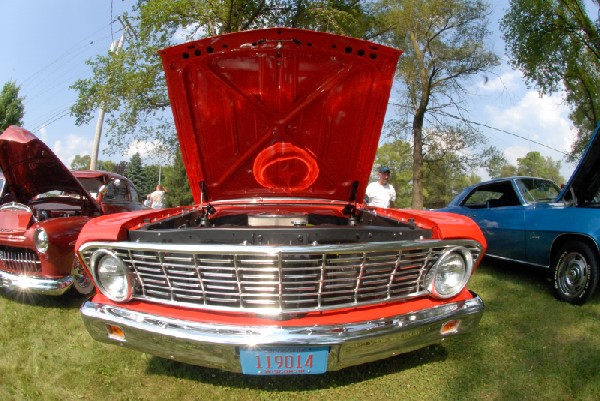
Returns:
(572, 274)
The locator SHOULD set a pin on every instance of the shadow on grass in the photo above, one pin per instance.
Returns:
(344, 377)
(69, 300)
(525, 275)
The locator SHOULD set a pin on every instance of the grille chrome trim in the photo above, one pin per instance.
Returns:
(19, 260)
(276, 280)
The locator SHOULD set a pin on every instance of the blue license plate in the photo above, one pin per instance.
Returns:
(284, 360)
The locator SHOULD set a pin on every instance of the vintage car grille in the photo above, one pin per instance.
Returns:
(19, 260)
(292, 279)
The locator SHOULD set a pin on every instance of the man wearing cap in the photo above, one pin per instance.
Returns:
(381, 193)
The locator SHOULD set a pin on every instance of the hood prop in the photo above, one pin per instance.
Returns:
(350, 209)
(206, 210)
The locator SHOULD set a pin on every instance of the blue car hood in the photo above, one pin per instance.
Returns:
(584, 183)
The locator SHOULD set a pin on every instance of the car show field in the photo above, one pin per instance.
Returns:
(528, 346)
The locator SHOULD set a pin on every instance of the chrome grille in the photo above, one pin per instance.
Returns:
(282, 279)
(19, 260)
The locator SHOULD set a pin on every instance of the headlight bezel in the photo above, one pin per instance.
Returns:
(41, 240)
(443, 265)
(96, 263)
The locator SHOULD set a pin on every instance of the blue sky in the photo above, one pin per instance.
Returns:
(45, 45)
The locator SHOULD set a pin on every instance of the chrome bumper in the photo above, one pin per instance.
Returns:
(35, 285)
(218, 345)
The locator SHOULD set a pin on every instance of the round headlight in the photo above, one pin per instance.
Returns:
(112, 276)
(451, 272)
(40, 240)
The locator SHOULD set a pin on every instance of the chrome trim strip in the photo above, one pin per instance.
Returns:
(217, 345)
(35, 285)
(219, 249)
(516, 261)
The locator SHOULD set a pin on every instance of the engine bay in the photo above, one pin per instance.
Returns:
(280, 228)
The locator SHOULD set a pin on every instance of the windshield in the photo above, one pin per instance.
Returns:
(1, 186)
(92, 185)
(536, 190)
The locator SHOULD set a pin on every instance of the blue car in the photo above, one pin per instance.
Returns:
(532, 220)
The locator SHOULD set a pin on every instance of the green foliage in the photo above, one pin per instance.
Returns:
(445, 174)
(177, 184)
(444, 46)
(130, 85)
(81, 162)
(135, 171)
(534, 164)
(150, 178)
(556, 45)
(11, 106)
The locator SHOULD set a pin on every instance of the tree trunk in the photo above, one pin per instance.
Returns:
(417, 190)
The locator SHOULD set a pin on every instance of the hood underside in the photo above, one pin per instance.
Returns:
(585, 180)
(31, 168)
(279, 112)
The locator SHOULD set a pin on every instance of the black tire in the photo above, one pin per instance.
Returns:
(575, 272)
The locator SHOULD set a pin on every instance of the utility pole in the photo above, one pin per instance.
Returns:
(114, 47)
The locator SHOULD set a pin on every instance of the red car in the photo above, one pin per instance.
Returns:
(279, 269)
(43, 209)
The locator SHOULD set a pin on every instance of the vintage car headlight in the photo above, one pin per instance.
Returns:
(450, 273)
(40, 240)
(111, 275)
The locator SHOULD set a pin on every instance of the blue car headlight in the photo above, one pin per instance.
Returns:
(450, 273)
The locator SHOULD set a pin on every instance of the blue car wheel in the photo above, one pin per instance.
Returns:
(575, 272)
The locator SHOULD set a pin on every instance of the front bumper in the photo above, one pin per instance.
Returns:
(34, 284)
(218, 345)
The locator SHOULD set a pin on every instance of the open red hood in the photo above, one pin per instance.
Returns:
(279, 112)
(31, 168)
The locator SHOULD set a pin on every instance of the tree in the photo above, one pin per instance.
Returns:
(177, 184)
(135, 172)
(80, 162)
(443, 43)
(556, 45)
(534, 164)
(150, 178)
(11, 106)
(130, 85)
(444, 176)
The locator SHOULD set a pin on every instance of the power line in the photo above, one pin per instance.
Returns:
(492, 128)
(503, 131)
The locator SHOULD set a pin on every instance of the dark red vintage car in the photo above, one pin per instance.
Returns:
(279, 269)
(1, 185)
(43, 209)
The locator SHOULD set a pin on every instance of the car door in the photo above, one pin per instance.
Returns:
(501, 216)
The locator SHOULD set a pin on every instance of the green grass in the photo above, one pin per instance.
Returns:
(528, 347)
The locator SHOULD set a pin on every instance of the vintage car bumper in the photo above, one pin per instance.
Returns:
(219, 345)
(35, 285)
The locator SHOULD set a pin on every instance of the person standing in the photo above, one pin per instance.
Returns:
(381, 193)
(157, 198)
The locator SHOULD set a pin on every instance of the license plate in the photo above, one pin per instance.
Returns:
(284, 360)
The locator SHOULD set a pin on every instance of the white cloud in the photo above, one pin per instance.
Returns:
(72, 145)
(150, 152)
(541, 122)
(533, 123)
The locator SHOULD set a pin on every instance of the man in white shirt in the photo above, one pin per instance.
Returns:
(381, 193)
